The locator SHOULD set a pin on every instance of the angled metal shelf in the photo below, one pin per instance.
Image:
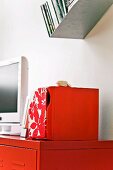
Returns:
(82, 18)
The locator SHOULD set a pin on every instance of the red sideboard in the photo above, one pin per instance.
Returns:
(20, 154)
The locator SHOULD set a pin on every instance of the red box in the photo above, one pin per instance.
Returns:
(64, 113)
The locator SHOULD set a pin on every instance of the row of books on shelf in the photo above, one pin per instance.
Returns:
(54, 11)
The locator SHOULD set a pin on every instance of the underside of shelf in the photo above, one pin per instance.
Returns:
(82, 18)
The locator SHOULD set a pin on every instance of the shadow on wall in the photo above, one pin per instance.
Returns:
(103, 25)
(106, 121)
(100, 40)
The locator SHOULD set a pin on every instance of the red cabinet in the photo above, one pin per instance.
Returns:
(21, 154)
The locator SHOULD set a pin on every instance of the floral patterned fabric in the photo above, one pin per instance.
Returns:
(37, 115)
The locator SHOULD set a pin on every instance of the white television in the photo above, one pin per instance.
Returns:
(13, 92)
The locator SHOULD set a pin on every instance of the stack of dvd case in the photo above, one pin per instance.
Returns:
(54, 12)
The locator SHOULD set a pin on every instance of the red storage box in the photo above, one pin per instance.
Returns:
(64, 113)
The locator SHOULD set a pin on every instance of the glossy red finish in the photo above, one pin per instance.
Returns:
(72, 113)
(64, 113)
(17, 158)
(21, 154)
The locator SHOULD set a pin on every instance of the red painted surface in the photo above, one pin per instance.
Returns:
(80, 159)
(12, 158)
(18, 153)
(72, 114)
(64, 113)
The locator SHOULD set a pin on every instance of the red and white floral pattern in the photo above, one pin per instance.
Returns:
(37, 115)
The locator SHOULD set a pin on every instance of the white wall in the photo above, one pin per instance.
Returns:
(83, 63)
(1, 30)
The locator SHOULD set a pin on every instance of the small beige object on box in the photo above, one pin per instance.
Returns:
(63, 83)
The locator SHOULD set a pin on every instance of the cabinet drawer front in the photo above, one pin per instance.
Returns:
(81, 159)
(13, 158)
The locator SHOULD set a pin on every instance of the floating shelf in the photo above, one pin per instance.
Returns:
(82, 18)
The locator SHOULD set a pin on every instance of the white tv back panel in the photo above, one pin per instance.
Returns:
(10, 121)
